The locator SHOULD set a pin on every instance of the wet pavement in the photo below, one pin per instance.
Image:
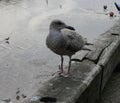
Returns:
(26, 63)
(111, 92)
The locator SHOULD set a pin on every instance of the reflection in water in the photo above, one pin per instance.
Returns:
(47, 2)
(8, 2)
(61, 6)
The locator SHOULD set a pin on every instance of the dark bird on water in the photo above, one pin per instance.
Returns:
(64, 41)
(7, 38)
(105, 7)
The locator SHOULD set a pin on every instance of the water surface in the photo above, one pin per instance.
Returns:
(26, 63)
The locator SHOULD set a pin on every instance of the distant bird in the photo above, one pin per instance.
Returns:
(7, 38)
(105, 7)
(64, 41)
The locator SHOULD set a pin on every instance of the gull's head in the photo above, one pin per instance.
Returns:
(58, 25)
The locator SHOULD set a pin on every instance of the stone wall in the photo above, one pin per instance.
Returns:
(89, 75)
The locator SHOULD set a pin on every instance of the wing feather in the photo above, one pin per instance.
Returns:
(74, 40)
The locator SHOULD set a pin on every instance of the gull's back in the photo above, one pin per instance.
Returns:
(75, 41)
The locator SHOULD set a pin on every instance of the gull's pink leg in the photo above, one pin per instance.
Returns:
(61, 72)
(69, 65)
(61, 67)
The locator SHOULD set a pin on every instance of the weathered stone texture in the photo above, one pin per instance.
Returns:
(109, 60)
(68, 89)
(92, 93)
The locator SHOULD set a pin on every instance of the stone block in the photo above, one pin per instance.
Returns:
(109, 59)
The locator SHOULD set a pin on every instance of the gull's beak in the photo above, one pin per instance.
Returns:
(70, 27)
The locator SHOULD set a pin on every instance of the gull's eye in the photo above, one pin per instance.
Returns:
(59, 23)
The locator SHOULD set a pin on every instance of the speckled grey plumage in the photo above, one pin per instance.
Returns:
(63, 40)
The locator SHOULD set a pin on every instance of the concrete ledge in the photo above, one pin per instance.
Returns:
(68, 90)
(109, 59)
(89, 76)
(73, 86)
(92, 92)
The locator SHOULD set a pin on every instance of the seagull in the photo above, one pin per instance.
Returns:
(64, 41)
